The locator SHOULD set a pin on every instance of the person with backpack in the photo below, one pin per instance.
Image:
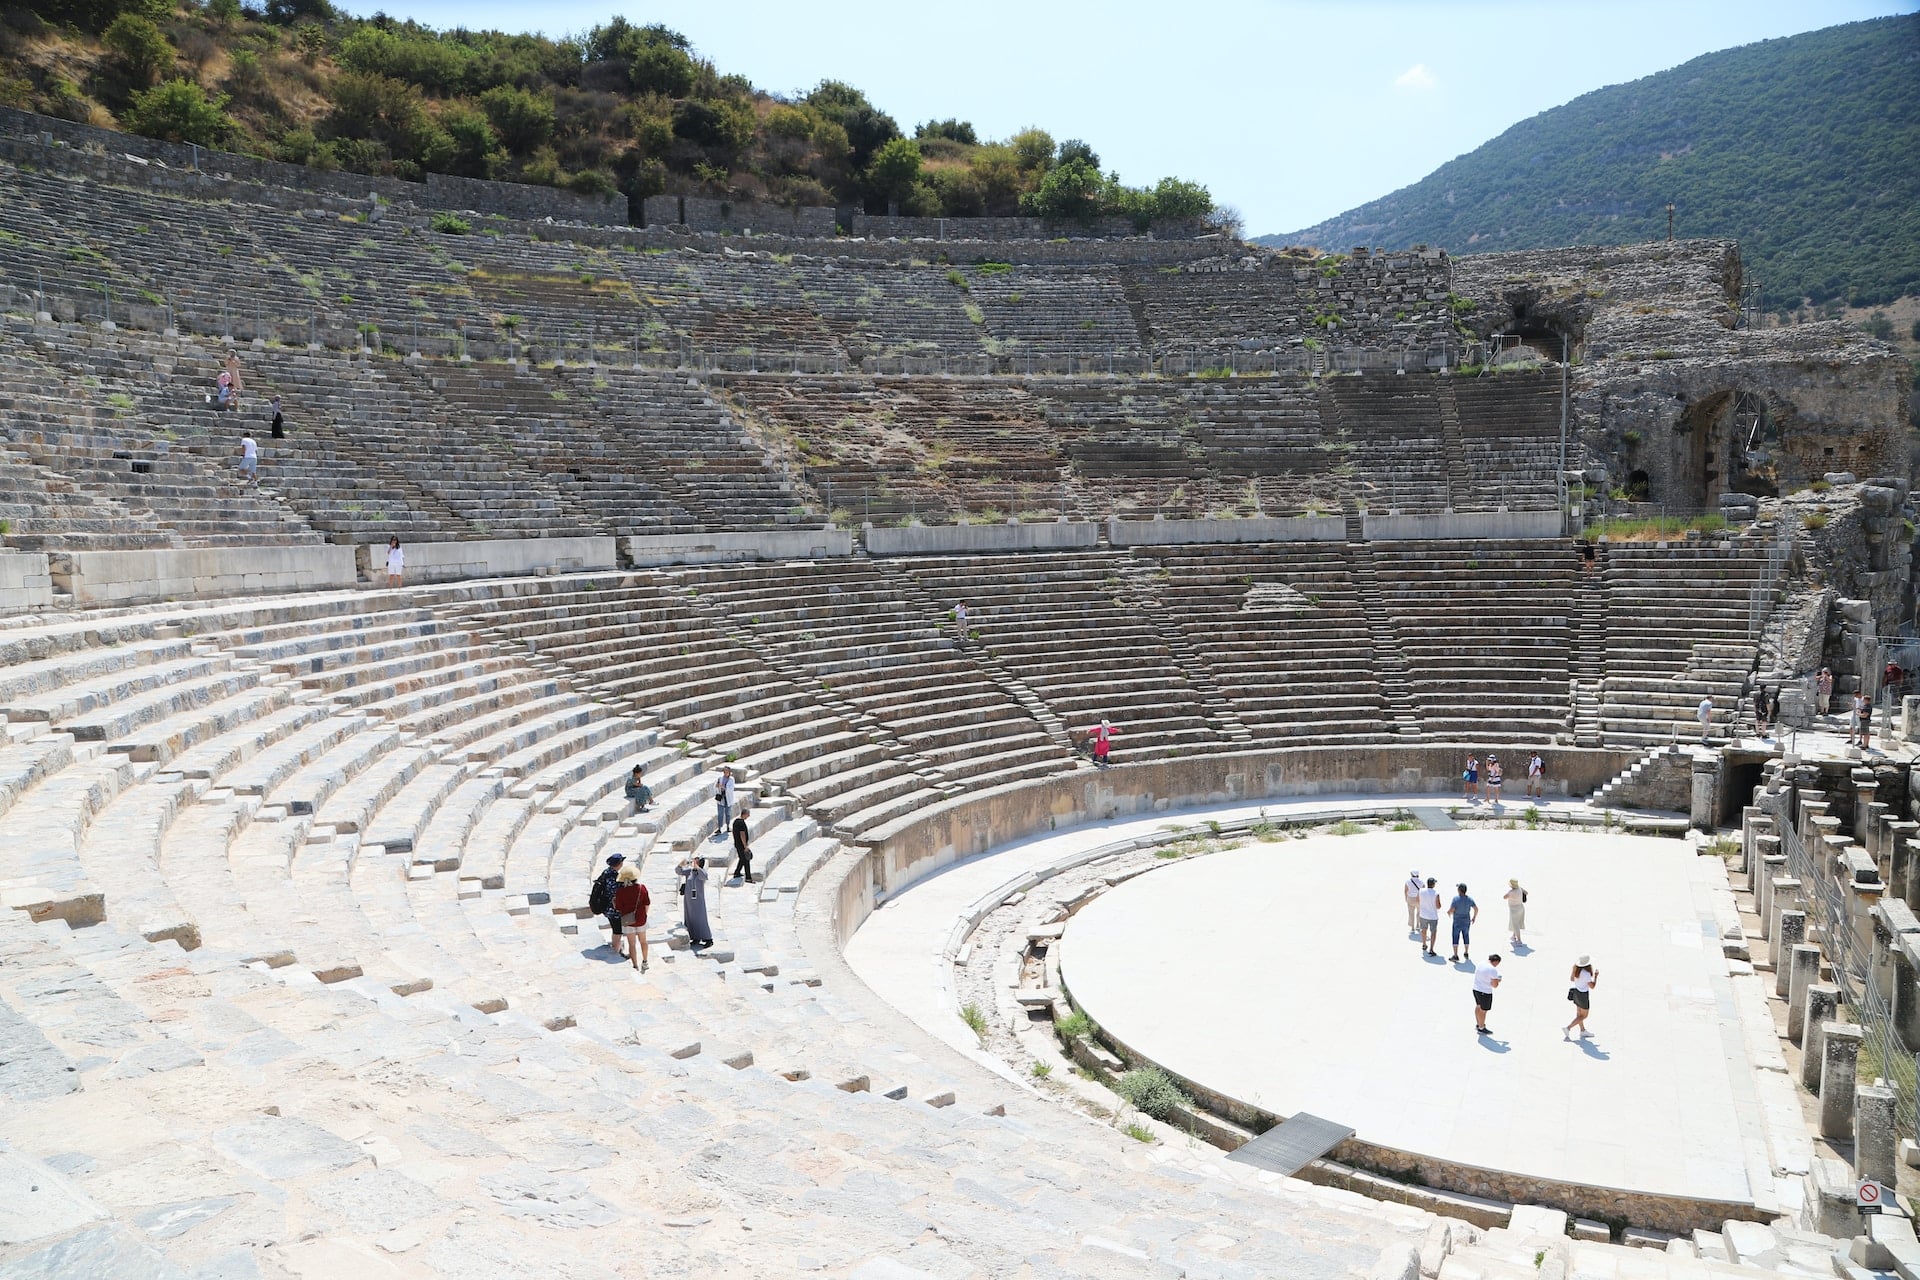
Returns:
(600, 897)
(630, 903)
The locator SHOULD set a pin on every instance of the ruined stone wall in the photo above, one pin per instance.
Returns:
(737, 217)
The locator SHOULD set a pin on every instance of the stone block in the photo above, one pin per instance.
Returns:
(1839, 1065)
(1874, 1154)
(685, 1051)
(1537, 1221)
(1588, 1229)
(1803, 971)
(1822, 1005)
(1752, 1244)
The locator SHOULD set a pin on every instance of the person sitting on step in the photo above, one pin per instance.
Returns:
(638, 791)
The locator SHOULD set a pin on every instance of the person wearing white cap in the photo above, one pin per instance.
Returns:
(1580, 992)
(1411, 891)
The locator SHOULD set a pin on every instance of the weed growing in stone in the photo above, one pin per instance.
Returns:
(1041, 1070)
(1533, 816)
(1347, 827)
(1140, 1133)
(975, 1019)
(1075, 1026)
(1151, 1091)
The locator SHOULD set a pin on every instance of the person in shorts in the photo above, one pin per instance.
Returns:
(1580, 992)
(1536, 775)
(1429, 916)
(1495, 776)
(1464, 911)
(1823, 691)
(1470, 779)
(1486, 979)
(630, 903)
(396, 562)
(249, 459)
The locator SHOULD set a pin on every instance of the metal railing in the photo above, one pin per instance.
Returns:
(1825, 901)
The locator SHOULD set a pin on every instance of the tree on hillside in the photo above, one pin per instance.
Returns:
(960, 131)
(868, 128)
(142, 51)
(179, 111)
(894, 172)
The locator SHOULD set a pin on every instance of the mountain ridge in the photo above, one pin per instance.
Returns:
(1800, 147)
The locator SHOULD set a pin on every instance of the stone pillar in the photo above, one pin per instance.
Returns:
(1900, 879)
(1788, 932)
(1803, 971)
(1704, 811)
(1822, 1007)
(1839, 1067)
(1863, 896)
(1772, 866)
(1873, 830)
(1873, 1136)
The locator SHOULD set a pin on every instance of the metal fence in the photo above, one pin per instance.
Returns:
(1824, 895)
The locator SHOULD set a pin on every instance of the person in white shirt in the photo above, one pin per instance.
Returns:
(396, 562)
(1516, 910)
(1485, 979)
(1706, 717)
(1411, 891)
(960, 618)
(1536, 775)
(1429, 916)
(1582, 981)
(249, 459)
(722, 801)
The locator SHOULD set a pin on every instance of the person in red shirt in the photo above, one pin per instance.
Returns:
(630, 901)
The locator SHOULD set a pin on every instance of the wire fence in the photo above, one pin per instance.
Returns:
(1884, 1054)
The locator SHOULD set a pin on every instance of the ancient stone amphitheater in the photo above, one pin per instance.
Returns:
(298, 977)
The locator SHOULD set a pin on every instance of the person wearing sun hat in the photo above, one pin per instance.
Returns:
(1583, 978)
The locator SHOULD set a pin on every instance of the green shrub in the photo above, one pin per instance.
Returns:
(451, 225)
(179, 110)
(971, 1015)
(1075, 1026)
(1151, 1091)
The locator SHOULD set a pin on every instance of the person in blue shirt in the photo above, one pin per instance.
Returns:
(1465, 911)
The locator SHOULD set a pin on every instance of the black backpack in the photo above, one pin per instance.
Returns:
(600, 900)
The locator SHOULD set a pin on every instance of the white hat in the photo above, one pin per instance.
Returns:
(1584, 961)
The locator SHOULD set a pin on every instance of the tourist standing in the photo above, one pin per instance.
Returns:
(1860, 722)
(1536, 776)
(960, 618)
(396, 562)
(1582, 981)
(600, 897)
(1760, 709)
(1485, 979)
(278, 426)
(1470, 778)
(249, 459)
(1516, 911)
(223, 388)
(1495, 776)
(1773, 708)
(1430, 916)
(722, 801)
(742, 847)
(1464, 911)
(630, 903)
(1705, 715)
(1411, 892)
(693, 901)
(1823, 691)
(1102, 737)
(638, 791)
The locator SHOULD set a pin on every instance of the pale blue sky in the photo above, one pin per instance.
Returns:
(1292, 111)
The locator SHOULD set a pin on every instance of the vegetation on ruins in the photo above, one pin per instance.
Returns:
(1152, 1092)
(1801, 148)
(621, 107)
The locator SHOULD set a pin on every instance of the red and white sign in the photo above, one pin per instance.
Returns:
(1870, 1194)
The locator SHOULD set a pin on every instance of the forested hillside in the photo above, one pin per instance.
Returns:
(1805, 149)
(624, 107)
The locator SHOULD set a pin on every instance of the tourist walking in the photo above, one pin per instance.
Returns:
(1773, 708)
(1430, 916)
(1536, 775)
(1495, 776)
(1580, 991)
(1860, 721)
(279, 423)
(1705, 715)
(249, 459)
(396, 562)
(1823, 691)
(1101, 736)
(1470, 779)
(638, 791)
(600, 896)
(235, 382)
(1411, 892)
(630, 903)
(1760, 709)
(742, 848)
(693, 901)
(1464, 911)
(1486, 979)
(1516, 911)
(722, 801)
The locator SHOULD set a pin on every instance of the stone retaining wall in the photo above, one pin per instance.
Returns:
(738, 217)
(1461, 526)
(25, 582)
(973, 539)
(29, 132)
(1160, 533)
(921, 843)
(764, 544)
(186, 573)
(885, 228)
(489, 558)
